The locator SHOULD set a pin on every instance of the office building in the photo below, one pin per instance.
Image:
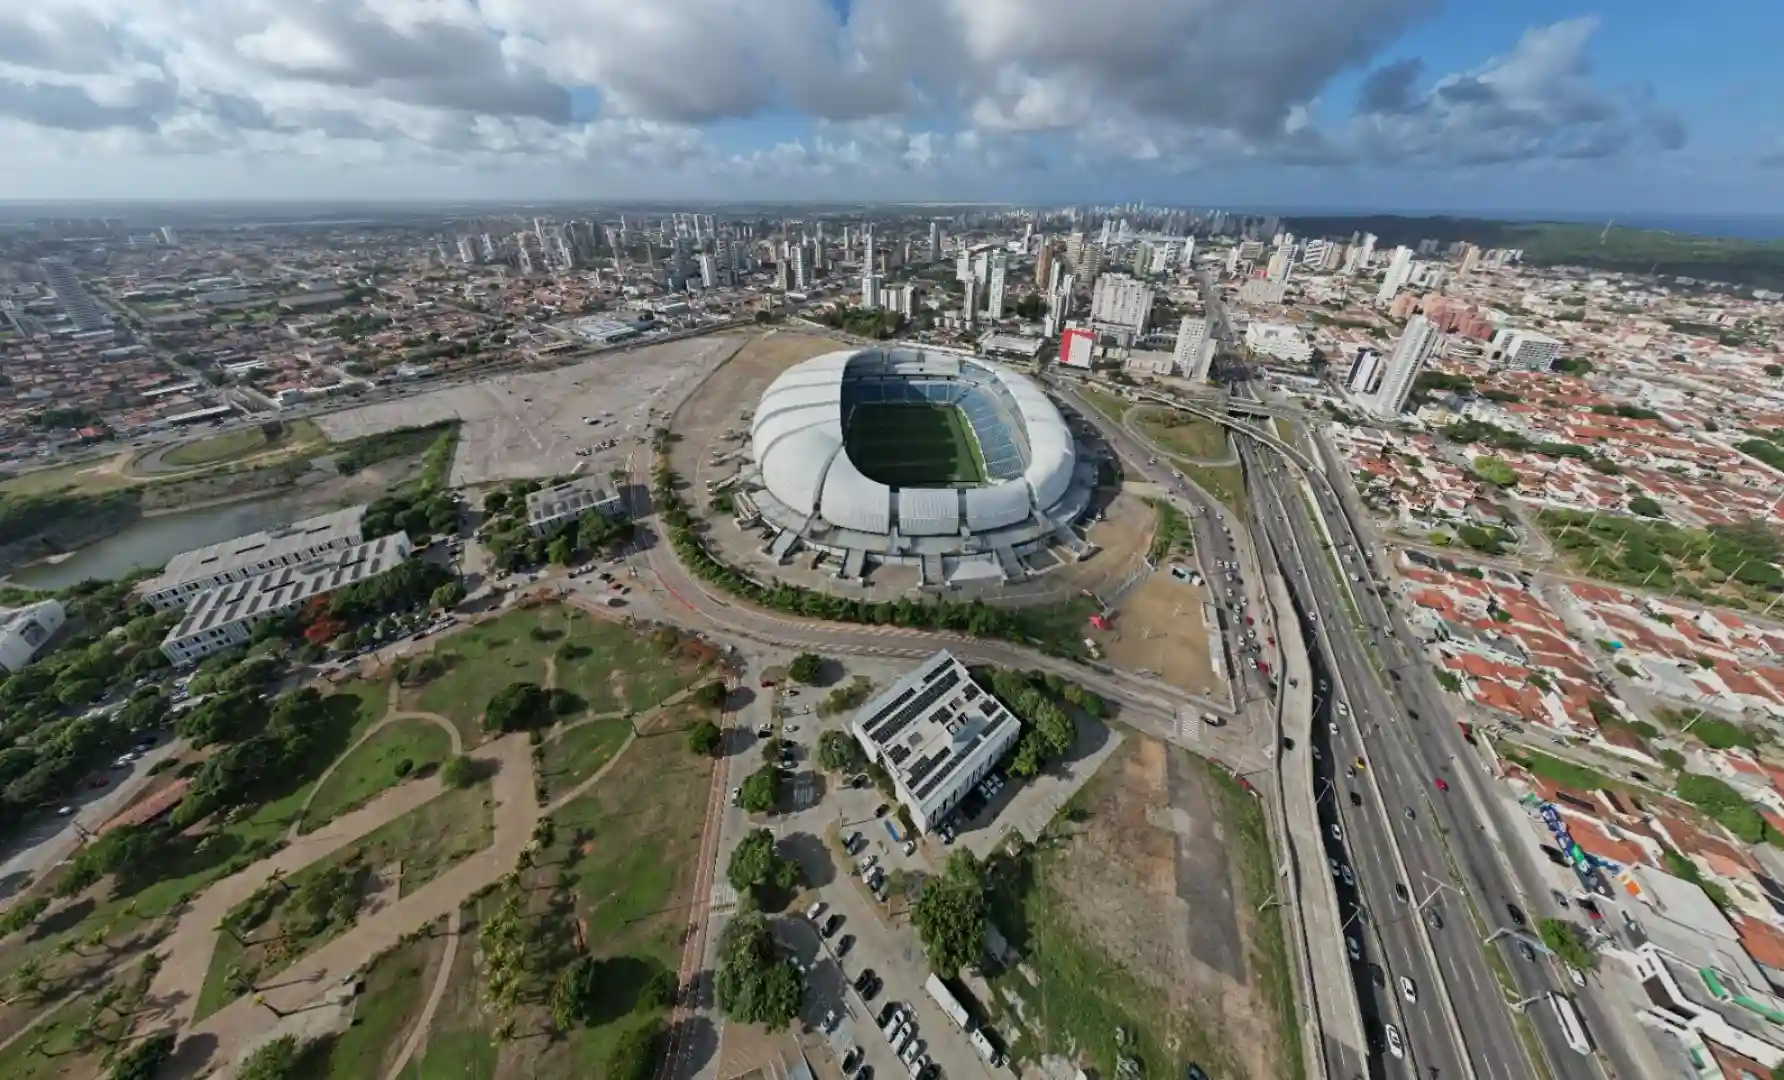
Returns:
(969, 307)
(1121, 301)
(937, 733)
(550, 509)
(1526, 350)
(709, 271)
(191, 573)
(1365, 373)
(963, 267)
(25, 630)
(467, 250)
(935, 241)
(1045, 268)
(1194, 353)
(870, 291)
(225, 617)
(1417, 345)
(995, 284)
(801, 276)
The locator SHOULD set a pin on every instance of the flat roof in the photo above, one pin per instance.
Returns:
(930, 723)
(263, 593)
(226, 555)
(573, 497)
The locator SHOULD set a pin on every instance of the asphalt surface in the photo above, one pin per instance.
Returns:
(1409, 742)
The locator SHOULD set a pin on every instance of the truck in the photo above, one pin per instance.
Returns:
(949, 1004)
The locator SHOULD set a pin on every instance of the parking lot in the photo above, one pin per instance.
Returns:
(522, 426)
(872, 933)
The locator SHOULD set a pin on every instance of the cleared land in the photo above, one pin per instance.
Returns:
(1141, 915)
(517, 427)
(1182, 433)
(1159, 627)
(241, 443)
(911, 445)
(87, 477)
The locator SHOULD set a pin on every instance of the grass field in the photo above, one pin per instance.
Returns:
(241, 443)
(93, 477)
(396, 989)
(579, 752)
(908, 445)
(1182, 433)
(372, 767)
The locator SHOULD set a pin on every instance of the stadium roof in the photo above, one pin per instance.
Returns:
(797, 441)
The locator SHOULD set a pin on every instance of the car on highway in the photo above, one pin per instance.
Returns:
(1411, 814)
(1435, 917)
(1355, 799)
(1333, 863)
(1517, 914)
(1409, 990)
(1337, 832)
(1355, 949)
(1525, 951)
(1442, 784)
(1377, 975)
(1349, 878)
(1395, 1046)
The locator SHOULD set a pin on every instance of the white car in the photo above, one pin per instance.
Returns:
(1343, 709)
(1333, 863)
(816, 910)
(1337, 833)
(1395, 1046)
(1409, 990)
(1355, 950)
(1349, 879)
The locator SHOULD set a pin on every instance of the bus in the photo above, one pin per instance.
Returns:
(1568, 1018)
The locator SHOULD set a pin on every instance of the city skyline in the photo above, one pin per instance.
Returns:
(1373, 103)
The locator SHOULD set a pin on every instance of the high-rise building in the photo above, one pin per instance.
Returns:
(1398, 274)
(1526, 350)
(870, 291)
(1161, 258)
(1187, 259)
(709, 271)
(994, 286)
(969, 307)
(1194, 353)
(467, 250)
(963, 268)
(1417, 344)
(1120, 300)
(1043, 267)
(801, 278)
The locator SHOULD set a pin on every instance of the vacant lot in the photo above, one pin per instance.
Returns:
(1159, 627)
(1142, 917)
(911, 445)
(1182, 433)
(89, 477)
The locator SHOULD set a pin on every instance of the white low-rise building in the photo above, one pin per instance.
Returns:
(224, 617)
(25, 630)
(937, 733)
(1279, 341)
(193, 572)
(549, 509)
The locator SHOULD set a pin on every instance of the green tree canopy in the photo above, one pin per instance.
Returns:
(760, 791)
(755, 984)
(756, 865)
(806, 668)
(950, 916)
(705, 739)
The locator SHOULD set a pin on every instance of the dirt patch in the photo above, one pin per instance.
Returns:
(1148, 889)
(1159, 627)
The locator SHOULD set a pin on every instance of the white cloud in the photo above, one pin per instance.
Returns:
(619, 87)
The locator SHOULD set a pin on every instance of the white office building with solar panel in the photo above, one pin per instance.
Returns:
(939, 460)
(937, 733)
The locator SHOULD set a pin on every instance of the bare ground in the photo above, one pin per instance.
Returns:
(1153, 886)
(1159, 627)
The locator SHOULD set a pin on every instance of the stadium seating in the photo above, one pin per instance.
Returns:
(987, 406)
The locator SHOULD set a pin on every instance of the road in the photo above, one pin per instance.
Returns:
(1409, 743)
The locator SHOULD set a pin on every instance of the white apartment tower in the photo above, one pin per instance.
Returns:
(1122, 301)
(969, 307)
(1399, 272)
(1417, 344)
(935, 241)
(1194, 353)
(994, 289)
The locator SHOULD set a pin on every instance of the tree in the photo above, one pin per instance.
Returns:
(1646, 507)
(279, 1059)
(838, 752)
(705, 739)
(760, 791)
(754, 984)
(806, 668)
(1563, 939)
(756, 864)
(448, 596)
(712, 695)
(519, 706)
(1776, 371)
(950, 915)
(458, 772)
(144, 1060)
(634, 1054)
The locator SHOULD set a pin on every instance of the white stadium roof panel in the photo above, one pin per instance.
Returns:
(796, 468)
(852, 501)
(996, 507)
(928, 511)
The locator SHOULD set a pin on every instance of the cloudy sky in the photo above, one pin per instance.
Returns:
(1416, 104)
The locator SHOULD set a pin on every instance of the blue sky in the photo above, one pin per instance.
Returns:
(1374, 104)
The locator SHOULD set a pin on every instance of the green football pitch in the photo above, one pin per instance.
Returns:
(910, 445)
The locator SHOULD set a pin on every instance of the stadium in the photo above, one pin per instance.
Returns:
(916, 457)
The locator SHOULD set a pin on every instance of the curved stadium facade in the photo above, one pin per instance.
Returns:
(911, 456)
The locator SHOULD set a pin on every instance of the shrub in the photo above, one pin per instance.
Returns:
(404, 768)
